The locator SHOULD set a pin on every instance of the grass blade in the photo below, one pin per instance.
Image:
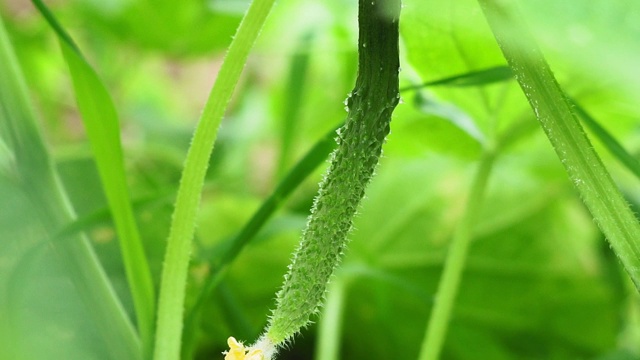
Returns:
(474, 78)
(102, 126)
(296, 85)
(174, 273)
(553, 110)
(34, 169)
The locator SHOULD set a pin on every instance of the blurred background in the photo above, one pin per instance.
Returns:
(540, 282)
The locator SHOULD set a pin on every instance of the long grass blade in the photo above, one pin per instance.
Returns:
(474, 78)
(102, 126)
(553, 110)
(295, 91)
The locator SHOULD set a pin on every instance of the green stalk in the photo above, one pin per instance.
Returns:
(360, 141)
(174, 273)
(295, 91)
(553, 110)
(330, 326)
(455, 262)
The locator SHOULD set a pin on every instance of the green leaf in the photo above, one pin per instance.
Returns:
(165, 27)
(456, 31)
(445, 123)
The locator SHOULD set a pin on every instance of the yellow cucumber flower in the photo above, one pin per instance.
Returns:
(237, 351)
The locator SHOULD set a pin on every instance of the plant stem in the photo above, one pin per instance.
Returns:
(553, 110)
(455, 262)
(330, 327)
(174, 273)
(294, 99)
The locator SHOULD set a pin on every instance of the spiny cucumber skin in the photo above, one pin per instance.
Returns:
(352, 165)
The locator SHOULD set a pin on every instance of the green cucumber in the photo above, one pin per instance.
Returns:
(360, 141)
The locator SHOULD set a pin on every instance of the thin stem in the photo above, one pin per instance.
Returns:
(174, 273)
(330, 326)
(455, 263)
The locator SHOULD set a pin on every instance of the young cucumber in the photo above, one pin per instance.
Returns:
(360, 140)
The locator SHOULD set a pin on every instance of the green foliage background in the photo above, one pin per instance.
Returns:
(540, 282)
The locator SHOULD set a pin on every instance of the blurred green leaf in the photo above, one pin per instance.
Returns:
(425, 126)
(39, 207)
(594, 45)
(518, 285)
(165, 27)
(457, 32)
(445, 123)
(451, 113)
(102, 126)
